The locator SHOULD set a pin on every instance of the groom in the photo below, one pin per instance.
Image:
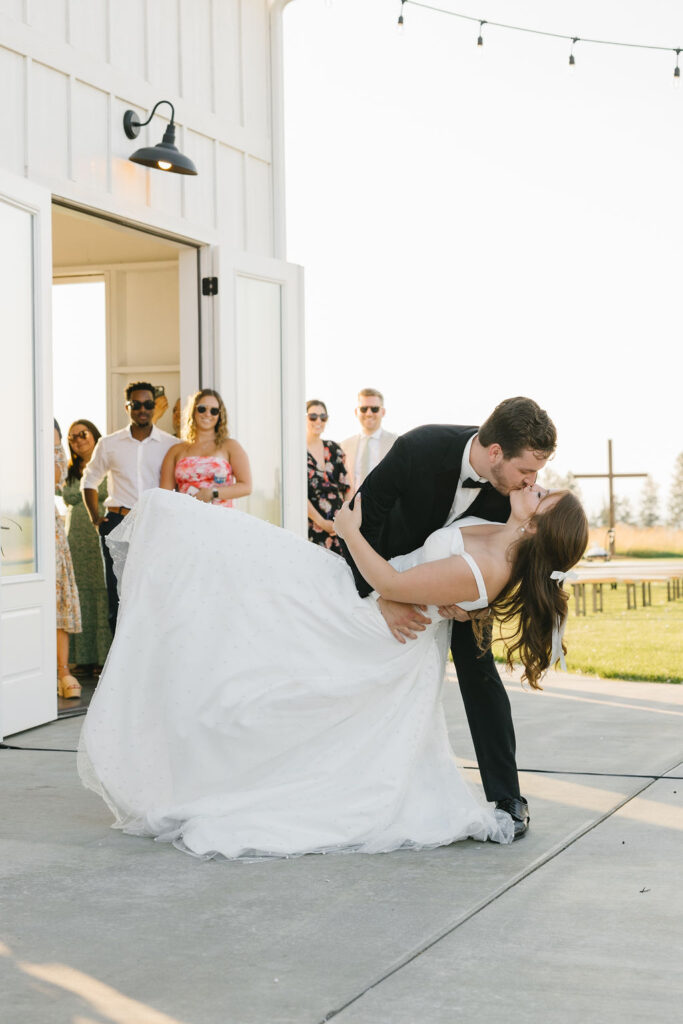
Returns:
(433, 476)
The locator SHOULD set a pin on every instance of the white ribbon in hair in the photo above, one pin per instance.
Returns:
(556, 652)
(562, 576)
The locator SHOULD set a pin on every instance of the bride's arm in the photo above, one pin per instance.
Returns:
(442, 582)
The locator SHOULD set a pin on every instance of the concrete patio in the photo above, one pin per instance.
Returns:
(581, 921)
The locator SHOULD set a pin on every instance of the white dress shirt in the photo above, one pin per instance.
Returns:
(133, 466)
(374, 455)
(464, 496)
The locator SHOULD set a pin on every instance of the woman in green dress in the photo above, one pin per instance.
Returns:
(89, 648)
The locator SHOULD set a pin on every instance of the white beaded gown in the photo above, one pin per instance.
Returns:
(254, 705)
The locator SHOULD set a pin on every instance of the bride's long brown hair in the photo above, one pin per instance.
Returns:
(531, 602)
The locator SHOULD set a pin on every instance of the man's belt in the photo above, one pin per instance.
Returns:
(119, 510)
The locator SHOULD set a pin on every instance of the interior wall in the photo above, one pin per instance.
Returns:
(141, 275)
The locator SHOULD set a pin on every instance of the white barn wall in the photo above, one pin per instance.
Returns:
(72, 67)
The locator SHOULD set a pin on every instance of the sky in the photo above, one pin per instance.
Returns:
(476, 223)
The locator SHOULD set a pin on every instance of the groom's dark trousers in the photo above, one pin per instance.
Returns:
(405, 498)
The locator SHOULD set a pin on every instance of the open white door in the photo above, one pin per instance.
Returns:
(28, 687)
(253, 353)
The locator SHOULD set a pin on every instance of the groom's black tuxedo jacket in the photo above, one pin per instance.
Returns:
(410, 493)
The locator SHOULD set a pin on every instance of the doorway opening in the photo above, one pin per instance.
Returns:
(116, 311)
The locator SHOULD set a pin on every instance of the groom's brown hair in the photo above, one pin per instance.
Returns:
(518, 424)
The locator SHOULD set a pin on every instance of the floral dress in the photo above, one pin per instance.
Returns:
(68, 604)
(204, 471)
(92, 645)
(327, 492)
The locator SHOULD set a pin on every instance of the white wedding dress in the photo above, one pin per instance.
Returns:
(253, 704)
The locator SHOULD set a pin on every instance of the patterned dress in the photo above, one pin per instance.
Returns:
(327, 492)
(92, 645)
(68, 605)
(204, 471)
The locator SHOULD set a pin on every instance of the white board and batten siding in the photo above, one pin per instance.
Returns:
(69, 69)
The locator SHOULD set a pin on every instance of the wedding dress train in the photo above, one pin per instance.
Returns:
(254, 705)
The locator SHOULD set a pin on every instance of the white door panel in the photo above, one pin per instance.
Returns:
(258, 366)
(28, 688)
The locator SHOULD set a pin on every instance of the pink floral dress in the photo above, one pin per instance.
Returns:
(204, 471)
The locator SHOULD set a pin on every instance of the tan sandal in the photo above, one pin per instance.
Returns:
(67, 686)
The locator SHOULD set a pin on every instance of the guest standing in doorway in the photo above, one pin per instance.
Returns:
(131, 460)
(208, 464)
(88, 649)
(68, 605)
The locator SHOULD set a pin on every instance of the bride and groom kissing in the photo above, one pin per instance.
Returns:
(317, 725)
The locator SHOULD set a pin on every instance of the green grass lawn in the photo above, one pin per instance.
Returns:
(643, 643)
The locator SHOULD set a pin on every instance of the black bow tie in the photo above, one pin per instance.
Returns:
(469, 482)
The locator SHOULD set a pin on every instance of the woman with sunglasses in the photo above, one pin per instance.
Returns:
(208, 464)
(87, 650)
(328, 482)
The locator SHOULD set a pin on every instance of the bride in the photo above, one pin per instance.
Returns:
(254, 705)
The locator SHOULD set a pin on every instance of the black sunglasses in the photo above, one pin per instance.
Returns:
(80, 436)
(136, 406)
(214, 410)
(318, 416)
(369, 408)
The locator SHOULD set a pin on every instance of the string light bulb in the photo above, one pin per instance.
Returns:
(677, 72)
(480, 37)
(572, 62)
(400, 18)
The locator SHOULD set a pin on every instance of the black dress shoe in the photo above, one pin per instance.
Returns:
(518, 809)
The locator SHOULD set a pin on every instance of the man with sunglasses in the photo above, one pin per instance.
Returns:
(131, 459)
(363, 451)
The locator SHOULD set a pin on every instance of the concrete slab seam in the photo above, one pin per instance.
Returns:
(483, 904)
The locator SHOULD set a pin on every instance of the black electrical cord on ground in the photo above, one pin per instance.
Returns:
(468, 767)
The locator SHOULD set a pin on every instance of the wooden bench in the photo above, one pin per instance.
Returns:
(674, 589)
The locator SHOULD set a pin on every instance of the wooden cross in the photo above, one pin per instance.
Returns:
(610, 475)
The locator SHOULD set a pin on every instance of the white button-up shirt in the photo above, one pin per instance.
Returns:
(132, 466)
(373, 454)
(464, 496)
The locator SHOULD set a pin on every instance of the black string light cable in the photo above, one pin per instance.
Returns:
(468, 767)
(541, 32)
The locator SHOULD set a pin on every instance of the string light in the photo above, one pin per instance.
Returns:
(400, 17)
(572, 62)
(550, 35)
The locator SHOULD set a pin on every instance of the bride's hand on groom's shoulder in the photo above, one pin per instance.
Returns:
(348, 519)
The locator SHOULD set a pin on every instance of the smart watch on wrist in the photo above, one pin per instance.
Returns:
(215, 493)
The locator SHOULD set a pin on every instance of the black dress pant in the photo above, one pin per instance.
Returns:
(113, 519)
(489, 715)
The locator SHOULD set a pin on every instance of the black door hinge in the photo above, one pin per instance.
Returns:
(209, 286)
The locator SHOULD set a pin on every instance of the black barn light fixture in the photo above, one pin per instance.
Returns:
(165, 156)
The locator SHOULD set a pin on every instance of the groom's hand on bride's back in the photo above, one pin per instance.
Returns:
(404, 620)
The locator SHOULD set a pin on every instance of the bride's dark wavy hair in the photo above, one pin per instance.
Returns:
(530, 602)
